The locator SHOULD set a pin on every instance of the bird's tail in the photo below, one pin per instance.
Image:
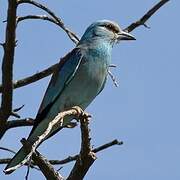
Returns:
(21, 157)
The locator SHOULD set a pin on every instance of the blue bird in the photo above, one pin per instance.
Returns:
(79, 78)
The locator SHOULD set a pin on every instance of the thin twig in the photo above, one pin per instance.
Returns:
(72, 158)
(41, 17)
(59, 21)
(107, 145)
(28, 168)
(7, 149)
(95, 150)
(113, 78)
(144, 18)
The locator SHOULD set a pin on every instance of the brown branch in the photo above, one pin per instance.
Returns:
(6, 149)
(19, 123)
(86, 157)
(59, 21)
(95, 150)
(144, 18)
(7, 66)
(49, 71)
(39, 17)
(55, 123)
(73, 158)
(107, 145)
(44, 165)
(35, 77)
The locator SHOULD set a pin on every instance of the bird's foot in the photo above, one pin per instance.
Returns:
(81, 115)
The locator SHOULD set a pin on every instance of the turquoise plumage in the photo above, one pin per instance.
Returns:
(79, 78)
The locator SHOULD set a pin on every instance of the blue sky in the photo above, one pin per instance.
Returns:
(143, 111)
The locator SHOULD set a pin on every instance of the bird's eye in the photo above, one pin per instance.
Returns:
(111, 27)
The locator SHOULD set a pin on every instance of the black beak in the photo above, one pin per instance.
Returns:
(125, 36)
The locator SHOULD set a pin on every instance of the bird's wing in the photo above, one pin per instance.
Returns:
(60, 79)
(103, 85)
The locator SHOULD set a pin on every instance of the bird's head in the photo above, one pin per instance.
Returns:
(107, 31)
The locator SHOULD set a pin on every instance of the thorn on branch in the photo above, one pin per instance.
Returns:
(59, 168)
(146, 26)
(19, 108)
(3, 45)
(14, 112)
(15, 115)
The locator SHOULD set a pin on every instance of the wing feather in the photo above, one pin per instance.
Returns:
(62, 76)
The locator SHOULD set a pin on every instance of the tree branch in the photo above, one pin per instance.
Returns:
(40, 17)
(7, 66)
(144, 18)
(57, 122)
(44, 165)
(50, 70)
(19, 123)
(86, 157)
(35, 77)
(58, 21)
(72, 158)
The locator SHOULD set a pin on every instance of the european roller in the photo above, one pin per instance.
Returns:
(79, 78)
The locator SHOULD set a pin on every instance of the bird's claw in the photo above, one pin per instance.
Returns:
(71, 125)
(81, 114)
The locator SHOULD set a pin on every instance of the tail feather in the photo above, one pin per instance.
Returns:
(21, 157)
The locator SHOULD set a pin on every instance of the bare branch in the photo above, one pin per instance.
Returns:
(35, 77)
(6, 149)
(56, 122)
(73, 158)
(86, 157)
(19, 123)
(107, 145)
(59, 21)
(7, 66)
(44, 165)
(144, 18)
(40, 17)
(50, 70)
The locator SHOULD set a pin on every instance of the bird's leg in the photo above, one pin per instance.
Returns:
(79, 116)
